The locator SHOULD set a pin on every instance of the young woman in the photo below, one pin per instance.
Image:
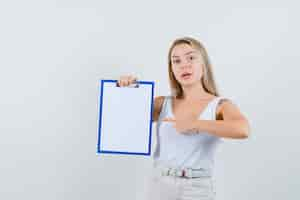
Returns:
(191, 122)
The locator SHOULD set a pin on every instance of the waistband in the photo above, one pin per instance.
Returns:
(184, 172)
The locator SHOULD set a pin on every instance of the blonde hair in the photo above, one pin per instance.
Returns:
(207, 79)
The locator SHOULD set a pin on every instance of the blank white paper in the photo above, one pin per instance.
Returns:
(125, 118)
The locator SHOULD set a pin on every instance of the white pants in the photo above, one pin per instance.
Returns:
(163, 187)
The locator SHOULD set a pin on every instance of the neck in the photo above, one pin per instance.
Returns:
(194, 92)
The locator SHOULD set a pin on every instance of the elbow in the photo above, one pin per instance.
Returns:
(244, 135)
(245, 132)
(242, 131)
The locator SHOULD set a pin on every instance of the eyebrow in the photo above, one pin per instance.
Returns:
(185, 53)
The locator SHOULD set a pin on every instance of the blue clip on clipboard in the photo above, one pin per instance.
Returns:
(125, 118)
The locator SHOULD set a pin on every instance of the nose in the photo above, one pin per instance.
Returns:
(185, 63)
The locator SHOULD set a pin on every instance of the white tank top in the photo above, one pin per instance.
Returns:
(195, 150)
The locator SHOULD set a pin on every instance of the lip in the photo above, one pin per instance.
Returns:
(186, 77)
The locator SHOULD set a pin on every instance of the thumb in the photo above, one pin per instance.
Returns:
(168, 119)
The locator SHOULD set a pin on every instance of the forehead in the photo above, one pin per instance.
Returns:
(182, 49)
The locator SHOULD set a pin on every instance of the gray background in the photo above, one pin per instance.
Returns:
(54, 52)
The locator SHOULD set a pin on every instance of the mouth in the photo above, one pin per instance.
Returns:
(186, 75)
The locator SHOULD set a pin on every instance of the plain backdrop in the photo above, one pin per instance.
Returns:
(53, 53)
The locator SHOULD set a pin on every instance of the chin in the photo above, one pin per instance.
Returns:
(187, 83)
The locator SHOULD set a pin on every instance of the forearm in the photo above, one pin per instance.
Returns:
(227, 129)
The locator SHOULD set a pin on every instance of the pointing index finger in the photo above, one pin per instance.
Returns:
(168, 119)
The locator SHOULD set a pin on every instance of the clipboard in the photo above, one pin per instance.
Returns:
(125, 118)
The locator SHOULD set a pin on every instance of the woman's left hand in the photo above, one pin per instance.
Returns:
(183, 125)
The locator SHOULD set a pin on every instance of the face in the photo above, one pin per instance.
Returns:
(187, 64)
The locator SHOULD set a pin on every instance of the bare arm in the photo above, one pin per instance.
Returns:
(158, 101)
(231, 122)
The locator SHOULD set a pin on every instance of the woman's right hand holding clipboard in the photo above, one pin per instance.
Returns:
(126, 80)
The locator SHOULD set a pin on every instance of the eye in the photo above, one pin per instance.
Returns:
(191, 57)
(176, 61)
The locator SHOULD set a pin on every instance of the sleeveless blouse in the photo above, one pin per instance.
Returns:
(192, 150)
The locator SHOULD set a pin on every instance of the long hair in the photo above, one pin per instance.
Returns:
(207, 79)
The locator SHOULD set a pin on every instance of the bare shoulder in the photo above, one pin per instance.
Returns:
(226, 109)
(158, 101)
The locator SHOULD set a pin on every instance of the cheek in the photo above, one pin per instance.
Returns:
(198, 72)
(176, 73)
